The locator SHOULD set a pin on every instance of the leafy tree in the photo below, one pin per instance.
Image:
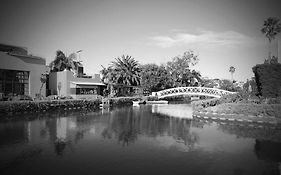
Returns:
(232, 70)
(250, 87)
(179, 69)
(62, 62)
(227, 85)
(270, 29)
(154, 78)
(209, 83)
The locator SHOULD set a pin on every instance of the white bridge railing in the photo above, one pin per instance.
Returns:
(198, 91)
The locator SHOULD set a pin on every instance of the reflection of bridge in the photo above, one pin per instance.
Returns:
(197, 91)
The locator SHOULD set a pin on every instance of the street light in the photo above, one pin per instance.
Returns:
(79, 51)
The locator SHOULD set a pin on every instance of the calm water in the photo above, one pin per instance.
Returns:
(149, 139)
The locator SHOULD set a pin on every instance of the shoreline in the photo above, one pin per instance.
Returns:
(236, 118)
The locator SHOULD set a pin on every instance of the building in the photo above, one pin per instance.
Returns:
(66, 83)
(20, 72)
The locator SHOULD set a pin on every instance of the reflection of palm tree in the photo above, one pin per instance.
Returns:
(127, 124)
(59, 146)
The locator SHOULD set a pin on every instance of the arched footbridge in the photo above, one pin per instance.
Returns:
(197, 91)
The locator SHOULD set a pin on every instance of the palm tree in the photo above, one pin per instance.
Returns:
(109, 77)
(62, 62)
(126, 70)
(271, 28)
(232, 70)
(43, 80)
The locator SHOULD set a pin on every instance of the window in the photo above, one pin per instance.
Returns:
(14, 82)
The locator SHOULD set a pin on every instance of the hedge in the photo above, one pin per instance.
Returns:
(36, 106)
(268, 79)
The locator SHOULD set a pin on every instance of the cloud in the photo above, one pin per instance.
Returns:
(228, 38)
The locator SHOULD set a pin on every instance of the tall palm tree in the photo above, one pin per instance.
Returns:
(127, 70)
(232, 70)
(271, 28)
(43, 80)
(62, 62)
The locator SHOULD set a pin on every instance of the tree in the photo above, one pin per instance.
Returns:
(109, 77)
(209, 83)
(179, 69)
(232, 70)
(228, 85)
(62, 62)
(154, 78)
(43, 80)
(126, 71)
(271, 28)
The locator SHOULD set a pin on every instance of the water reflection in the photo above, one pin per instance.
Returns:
(124, 139)
(269, 133)
(127, 124)
(271, 152)
(173, 110)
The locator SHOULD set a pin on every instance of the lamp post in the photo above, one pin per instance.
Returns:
(79, 51)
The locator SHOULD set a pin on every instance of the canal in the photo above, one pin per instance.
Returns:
(145, 139)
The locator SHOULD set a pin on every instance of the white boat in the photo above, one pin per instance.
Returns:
(136, 103)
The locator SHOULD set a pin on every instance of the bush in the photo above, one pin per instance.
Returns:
(37, 106)
(124, 100)
(201, 104)
(151, 98)
(21, 98)
(178, 98)
(268, 79)
(272, 100)
(234, 98)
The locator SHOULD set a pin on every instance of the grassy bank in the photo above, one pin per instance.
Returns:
(238, 107)
(259, 110)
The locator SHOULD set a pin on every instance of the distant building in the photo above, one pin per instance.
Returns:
(65, 83)
(20, 72)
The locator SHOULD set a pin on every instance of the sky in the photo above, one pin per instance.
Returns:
(222, 33)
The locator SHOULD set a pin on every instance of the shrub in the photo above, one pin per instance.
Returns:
(124, 100)
(178, 98)
(201, 104)
(234, 98)
(272, 100)
(151, 98)
(36, 106)
(267, 78)
(21, 98)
